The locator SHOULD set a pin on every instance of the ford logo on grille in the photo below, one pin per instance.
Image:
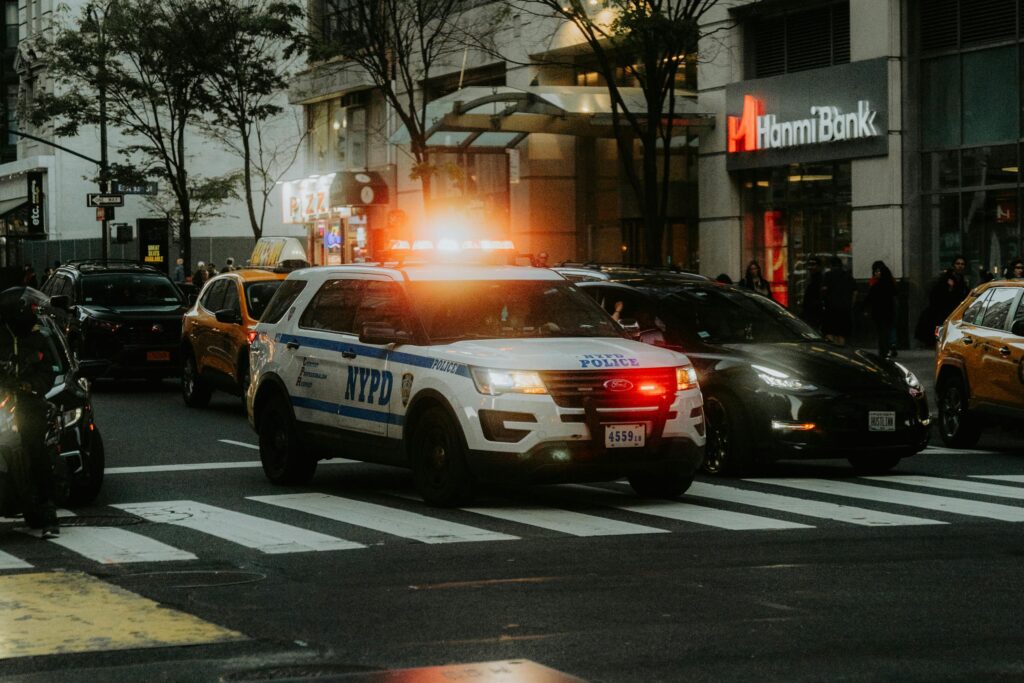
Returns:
(618, 385)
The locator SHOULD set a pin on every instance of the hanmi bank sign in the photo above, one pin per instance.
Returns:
(822, 115)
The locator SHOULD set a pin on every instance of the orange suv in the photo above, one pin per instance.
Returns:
(979, 367)
(218, 329)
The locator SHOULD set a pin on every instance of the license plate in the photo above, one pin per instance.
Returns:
(158, 355)
(624, 436)
(882, 421)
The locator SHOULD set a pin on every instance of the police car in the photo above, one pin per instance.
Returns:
(466, 374)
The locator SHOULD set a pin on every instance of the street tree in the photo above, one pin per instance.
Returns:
(254, 46)
(648, 42)
(141, 67)
(400, 45)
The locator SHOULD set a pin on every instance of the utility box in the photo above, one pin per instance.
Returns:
(122, 232)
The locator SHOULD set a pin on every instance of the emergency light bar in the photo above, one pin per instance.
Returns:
(451, 245)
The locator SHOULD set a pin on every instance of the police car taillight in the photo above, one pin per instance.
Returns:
(251, 335)
(686, 378)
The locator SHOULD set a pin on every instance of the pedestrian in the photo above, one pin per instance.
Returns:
(812, 310)
(1016, 269)
(880, 306)
(724, 279)
(837, 294)
(179, 270)
(28, 276)
(753, 280)
(959, 270)
(212, 267)
(943, 297)
(229, 265)
(200, 277)
(540, 260)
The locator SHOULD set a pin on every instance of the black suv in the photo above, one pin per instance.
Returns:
(123, 319)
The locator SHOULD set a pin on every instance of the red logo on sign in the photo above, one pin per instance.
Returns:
(743, 129)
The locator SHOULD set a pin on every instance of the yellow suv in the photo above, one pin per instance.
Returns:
(979, 367)
(217, 330)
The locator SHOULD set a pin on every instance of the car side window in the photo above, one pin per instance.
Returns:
(973, 314)
(333, 307)
(231, 301)
(382, 304)
(213, 297)
(66, 287)
(998, 309)
(1019, 315)
(282, 300)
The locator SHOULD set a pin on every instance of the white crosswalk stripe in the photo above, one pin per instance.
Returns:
(565, 521)
(8, 561)
(261, 534)
(381, 518)
(689, 512)
(958, 485)
(112, 545)
(1016, 478)
(927, 501)
(807, 508)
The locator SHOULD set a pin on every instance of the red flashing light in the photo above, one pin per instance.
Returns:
(251, 335)
(651, 389)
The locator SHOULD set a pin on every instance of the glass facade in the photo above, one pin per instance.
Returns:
(792, 214)
(971, 130)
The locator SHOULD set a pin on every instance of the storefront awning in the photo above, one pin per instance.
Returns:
(15, 220)
(358, 188)
(497, 118)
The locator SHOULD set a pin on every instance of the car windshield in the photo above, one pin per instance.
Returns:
(498, 309)
(129, 289)
(258, 295)
(732, 316)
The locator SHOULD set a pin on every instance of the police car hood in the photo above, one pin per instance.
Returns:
(576, 353)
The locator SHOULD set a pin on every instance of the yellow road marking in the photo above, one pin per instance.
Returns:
(62, 612)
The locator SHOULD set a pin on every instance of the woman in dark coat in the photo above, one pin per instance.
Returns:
(753, 280)
(880, 305)
(837, 293)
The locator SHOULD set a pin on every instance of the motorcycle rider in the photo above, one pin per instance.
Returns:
(25, 345)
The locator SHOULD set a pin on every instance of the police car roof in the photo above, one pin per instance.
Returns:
(444, 272)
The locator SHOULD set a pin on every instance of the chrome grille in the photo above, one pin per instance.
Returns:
(575, 388)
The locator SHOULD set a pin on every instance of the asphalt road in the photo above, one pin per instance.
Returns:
(805, 574)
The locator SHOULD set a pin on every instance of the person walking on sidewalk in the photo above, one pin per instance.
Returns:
(754, 281)
(880, 306)
(837, 292)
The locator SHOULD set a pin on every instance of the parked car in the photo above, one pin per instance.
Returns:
(123, 319)
(218, 329)
(589, 272)
(979, 366)
(773, 388)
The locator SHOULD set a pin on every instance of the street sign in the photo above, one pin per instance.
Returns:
(137, 188)
(99, 200)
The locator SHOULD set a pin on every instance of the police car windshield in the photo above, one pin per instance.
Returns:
(129, 289)
(501, 309)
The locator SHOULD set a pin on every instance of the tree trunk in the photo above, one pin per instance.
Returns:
(653, 220)
(257, 228)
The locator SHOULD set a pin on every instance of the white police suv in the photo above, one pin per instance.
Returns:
(466, 374)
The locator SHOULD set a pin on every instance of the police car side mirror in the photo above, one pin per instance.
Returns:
(381, 334)
(1017, 329)
(630, 327)
(228, 316)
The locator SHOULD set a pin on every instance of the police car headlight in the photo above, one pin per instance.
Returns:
(909, 377)
(494, 382)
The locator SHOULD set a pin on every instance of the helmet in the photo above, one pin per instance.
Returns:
(19, 306)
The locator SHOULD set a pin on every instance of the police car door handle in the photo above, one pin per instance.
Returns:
(292, 344)
(348, 354)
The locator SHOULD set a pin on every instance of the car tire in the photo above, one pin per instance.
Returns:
(728, 450)
(665, 484)
(194, 390)
(958, 426)
(84, 490)
(281, 453)
(438, 456)
(874, 464)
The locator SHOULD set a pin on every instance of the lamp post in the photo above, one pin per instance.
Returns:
(101, 87)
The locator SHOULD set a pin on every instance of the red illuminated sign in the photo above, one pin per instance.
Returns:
(743, 129)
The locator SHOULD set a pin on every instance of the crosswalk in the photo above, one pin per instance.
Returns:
(324, 522)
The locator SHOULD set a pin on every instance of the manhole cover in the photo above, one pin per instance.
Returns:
(199, 578)
(101, 520)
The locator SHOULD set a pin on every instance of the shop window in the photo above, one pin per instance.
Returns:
(11, 23)
(990, 231)
(990, 96)
(940, 102)
(317, 124)
(942, 222)
(989, 165)
(940, 170)
(938, 19)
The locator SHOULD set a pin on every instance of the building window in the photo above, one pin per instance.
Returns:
(797, 41)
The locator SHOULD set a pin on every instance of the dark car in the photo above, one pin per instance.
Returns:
(123, 319)
(773, 388)
(594, 272)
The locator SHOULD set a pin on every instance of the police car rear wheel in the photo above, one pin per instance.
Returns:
(439, 461)
(283, 462)
(193, 389)
(669, 484)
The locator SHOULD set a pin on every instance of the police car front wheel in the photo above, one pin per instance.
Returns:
(439, 460)
(280, 451)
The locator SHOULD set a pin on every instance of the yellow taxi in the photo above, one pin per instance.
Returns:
(979, 367)
(217, 330)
